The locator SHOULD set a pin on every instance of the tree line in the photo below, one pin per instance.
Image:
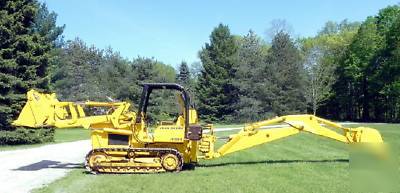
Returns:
(348, 71)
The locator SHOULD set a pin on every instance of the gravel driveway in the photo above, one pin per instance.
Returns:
(26, 169)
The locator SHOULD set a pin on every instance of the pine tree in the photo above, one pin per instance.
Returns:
(250, 79)
(216, 92)
(184, 75)
(24, 57)
(45, 25)
(287, 73)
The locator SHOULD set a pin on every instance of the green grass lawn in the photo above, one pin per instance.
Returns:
(301, 163)
(67, 135)
(60, 136)
(227, 125)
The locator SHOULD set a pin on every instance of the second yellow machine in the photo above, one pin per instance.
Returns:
(123, 143)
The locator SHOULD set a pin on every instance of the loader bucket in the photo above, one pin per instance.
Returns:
(38, 111)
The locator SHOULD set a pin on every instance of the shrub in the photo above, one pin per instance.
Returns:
(26, 136)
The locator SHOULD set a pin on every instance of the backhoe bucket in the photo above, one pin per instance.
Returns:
(368, 142)
(39, 110)
(369, 135)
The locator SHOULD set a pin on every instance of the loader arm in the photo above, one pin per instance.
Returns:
(253, 134)
(45, 110)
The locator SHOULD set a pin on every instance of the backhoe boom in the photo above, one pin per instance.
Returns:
(252, 134)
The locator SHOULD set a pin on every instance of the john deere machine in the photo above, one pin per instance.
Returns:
(122, 141)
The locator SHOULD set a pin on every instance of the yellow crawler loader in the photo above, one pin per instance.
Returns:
(122, 141)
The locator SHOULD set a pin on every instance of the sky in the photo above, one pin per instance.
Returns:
(172, 31)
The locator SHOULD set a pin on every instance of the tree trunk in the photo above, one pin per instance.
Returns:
(365, 110)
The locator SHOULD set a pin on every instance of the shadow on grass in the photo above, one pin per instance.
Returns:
(44, 164)
(273, 162)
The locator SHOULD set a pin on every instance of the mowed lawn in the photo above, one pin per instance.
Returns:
(301, 163)
(60, 136)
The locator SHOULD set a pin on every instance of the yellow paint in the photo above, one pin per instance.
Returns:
(44, 110)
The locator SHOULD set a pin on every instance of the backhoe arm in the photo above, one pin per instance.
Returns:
(253, 134)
